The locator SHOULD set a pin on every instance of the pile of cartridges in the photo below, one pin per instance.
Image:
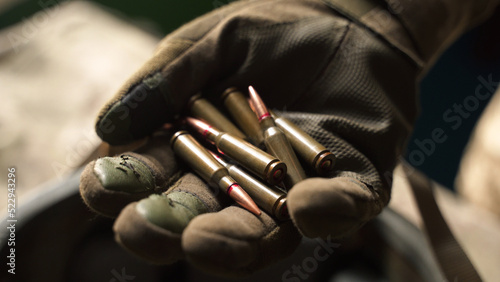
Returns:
(264, 175)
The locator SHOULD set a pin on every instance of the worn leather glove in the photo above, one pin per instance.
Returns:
(346, 79)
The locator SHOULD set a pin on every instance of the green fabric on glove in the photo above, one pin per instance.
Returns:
(152, 228)
(152, 169)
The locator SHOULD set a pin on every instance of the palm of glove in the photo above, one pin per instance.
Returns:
(337, 81)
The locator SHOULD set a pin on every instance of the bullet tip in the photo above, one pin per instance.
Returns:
(194, 122)
(257, 104)
(200, 126)
(243, 199)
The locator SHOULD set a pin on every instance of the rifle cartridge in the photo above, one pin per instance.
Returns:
(315, 154)
(270, 199)
(208, 168)
(268, 167)
(276, 141)
(237, 105)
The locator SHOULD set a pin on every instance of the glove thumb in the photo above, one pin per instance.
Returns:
(335, 207)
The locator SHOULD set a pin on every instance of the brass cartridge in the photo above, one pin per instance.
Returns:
(268, 167)
(201, 108)
(237, 105)
(208, 168)
(276, 141)
(270, 199)
(315, 154)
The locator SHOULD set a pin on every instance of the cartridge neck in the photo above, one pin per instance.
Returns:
(266, 122)
(206, 130)
(210, 133)
(226, 183)
(264, 116)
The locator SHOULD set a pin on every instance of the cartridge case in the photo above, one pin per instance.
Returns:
(201, 108)
(311, 151)
(208, 168)
(276, 141)
(199, 159)
(271, 169)
(270, 199)
(266, 166)
(237, 105)
(279, 146)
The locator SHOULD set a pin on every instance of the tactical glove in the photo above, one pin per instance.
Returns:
(340, 75)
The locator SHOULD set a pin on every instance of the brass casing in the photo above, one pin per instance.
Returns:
(270, 199)
(268, 167)
(201, 161)
(279, 146)
(201, 108)
(237, 105)
(315, 154)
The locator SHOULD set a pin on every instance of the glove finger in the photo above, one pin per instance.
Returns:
(335, 207)
(244, 47)
(234, 242)
(152, 227)
(110, 183)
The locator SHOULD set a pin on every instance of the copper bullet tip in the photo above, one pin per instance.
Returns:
(200, 126)
(257, 104)
(242, 198)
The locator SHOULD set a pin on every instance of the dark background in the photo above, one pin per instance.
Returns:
(448, 84)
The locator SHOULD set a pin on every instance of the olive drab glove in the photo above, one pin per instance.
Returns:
(343, 71)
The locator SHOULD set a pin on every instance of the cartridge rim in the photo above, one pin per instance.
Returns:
(228, 91)
(280, 210)
(275, 172)
(325, 162)
(176, 135)
(192, 100)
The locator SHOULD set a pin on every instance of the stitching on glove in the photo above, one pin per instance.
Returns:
(192, 194)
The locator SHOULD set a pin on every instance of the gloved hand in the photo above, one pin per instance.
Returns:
(349, 87)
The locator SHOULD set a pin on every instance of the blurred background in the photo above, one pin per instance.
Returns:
(61, 60)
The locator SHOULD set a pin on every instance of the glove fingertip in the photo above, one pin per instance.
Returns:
(235, 243)
(210, 247)
(103, 201)
(331, 207)
(146, 240)
(137, 113)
